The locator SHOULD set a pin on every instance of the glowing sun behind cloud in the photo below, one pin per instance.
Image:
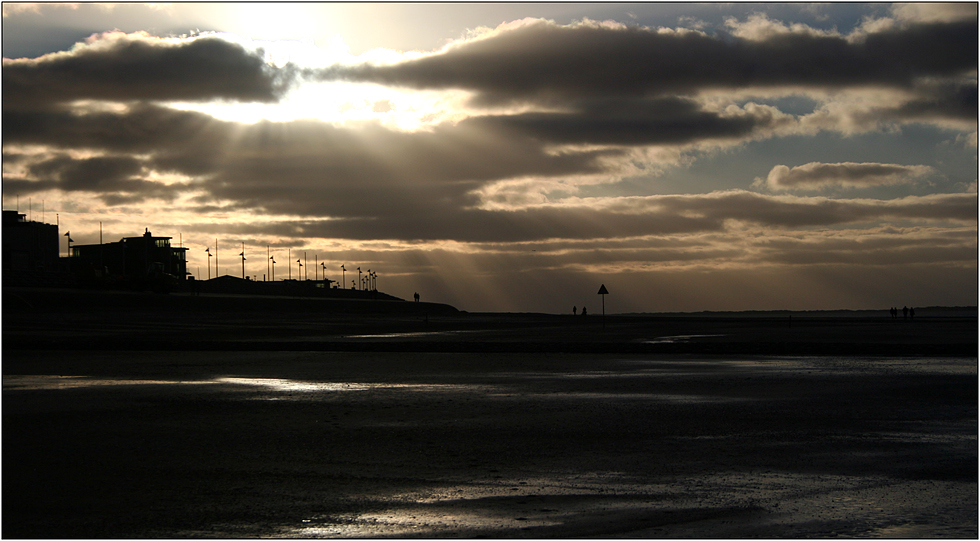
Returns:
(338, 102)
(273, 21)
(511, 157)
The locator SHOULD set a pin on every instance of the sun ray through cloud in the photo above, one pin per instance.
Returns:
(514, 157)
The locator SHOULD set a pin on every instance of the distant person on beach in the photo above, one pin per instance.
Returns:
(574, 310)
(912, 313)
(585, 310)
(905, 312)
(416, 297)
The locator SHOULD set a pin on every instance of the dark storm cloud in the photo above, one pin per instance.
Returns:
(808, 254)
(182, 141)
(947, 101)
(306, 167)
(130, 68)
(371, 171)
(114, 179)
(875, 248)
(112, 194)
(521, 225)
(629, 217)
(541, 61)
(664, 121)
(375, 183)
(141, 128)
(784, 211)
(89, 174)
(17, 186)
(477, 225)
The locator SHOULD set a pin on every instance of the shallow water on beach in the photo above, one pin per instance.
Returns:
(651, 366)
(339, 444)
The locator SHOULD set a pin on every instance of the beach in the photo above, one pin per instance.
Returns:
(159, 418)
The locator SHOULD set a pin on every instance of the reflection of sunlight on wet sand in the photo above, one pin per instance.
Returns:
(48, 382)
(678, 338)
(410, 334)
(33, 383)
(765, 504)
(288, 385)
(415, 521)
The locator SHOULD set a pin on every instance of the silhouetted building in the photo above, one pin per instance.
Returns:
(30, 251)
(131, 260)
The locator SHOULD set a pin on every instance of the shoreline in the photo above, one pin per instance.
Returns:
(92, 321)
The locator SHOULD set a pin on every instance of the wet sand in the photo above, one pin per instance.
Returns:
(135, 423)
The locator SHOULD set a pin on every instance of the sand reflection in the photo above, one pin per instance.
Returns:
(290, 385)
(48, 382)
(280, 385)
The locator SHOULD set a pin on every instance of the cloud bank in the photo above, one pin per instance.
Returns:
(544, 62)
(137, 67)
(815, 176)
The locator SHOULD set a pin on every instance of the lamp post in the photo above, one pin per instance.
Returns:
(359, 275)
(243, 260)
(323, 267)
(208, 250)
(273, 268)
(343, 277)
(68, 234)
(299, 270)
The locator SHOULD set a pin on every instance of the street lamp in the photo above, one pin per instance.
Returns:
(243, 260)
(210, 255)
(359, 274)
(68, 234)
(343, 276)
(273, 258)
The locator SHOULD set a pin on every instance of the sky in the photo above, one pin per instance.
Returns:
(514, 157)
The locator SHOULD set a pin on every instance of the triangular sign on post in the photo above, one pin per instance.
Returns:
(602, 290)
